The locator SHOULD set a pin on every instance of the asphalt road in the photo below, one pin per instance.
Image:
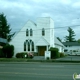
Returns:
(38, 71)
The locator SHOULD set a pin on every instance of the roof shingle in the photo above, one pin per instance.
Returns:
(71, 43)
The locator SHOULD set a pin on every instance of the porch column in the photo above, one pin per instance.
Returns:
(35, 48)
(47, 48)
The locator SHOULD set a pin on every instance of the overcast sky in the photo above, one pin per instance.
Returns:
(65, 13)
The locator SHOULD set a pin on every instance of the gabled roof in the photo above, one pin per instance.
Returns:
(41, 42)
(24, 26)
(57, 42)
(71, 43)
(29, 24)
(32, 22)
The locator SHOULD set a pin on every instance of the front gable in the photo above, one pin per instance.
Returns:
(21, 33)
(42, 42)
(30, 24)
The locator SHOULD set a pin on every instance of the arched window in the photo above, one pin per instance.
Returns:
(43, 32)
(27, 32)
(28, 46)
(24, 46)
(31, 32)
(30, 40)
(32, 46)
(26, 41)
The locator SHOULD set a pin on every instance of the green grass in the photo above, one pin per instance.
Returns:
(13, 59)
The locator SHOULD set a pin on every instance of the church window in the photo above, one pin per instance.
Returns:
(27, 32)
(32, 46)
(28, 46)
(24, 46)
(31, 32)
(43, 32)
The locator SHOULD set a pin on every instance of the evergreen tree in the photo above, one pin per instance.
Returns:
(5, 28)
(78, 40)
(70, 37)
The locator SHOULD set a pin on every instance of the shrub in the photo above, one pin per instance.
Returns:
(8, 50)
(18, 55)
(54, 52)
(1, 53)
(22, 55)
(62, 54)
(47, 58)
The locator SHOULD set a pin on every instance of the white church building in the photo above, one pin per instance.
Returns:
(36, 37)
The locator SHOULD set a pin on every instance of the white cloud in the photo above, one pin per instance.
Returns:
(75, 22)
(76, 5)
(45, 15)
(43, 1)
(63, 12)
(14, 4)
(17, 7)
(12, 17)
(65, 1)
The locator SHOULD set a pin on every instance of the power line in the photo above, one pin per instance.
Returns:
(47, 28)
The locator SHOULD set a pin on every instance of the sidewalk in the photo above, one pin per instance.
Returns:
(39, 58)
(75, 59)
(70, 58)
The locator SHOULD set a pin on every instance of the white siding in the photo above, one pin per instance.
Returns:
(18, 42)
(47, 23)
(73, 48)
(44, 23)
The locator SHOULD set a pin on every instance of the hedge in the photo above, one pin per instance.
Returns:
(54, 52)
(8, 51)
(22, 55)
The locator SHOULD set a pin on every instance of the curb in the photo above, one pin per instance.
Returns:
(31, 60)
(57, 61)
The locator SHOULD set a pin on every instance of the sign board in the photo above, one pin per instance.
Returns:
(47, 54)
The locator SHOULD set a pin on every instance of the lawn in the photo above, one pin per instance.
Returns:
(13, 59)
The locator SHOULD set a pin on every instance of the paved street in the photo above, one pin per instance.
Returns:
(38, 71)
